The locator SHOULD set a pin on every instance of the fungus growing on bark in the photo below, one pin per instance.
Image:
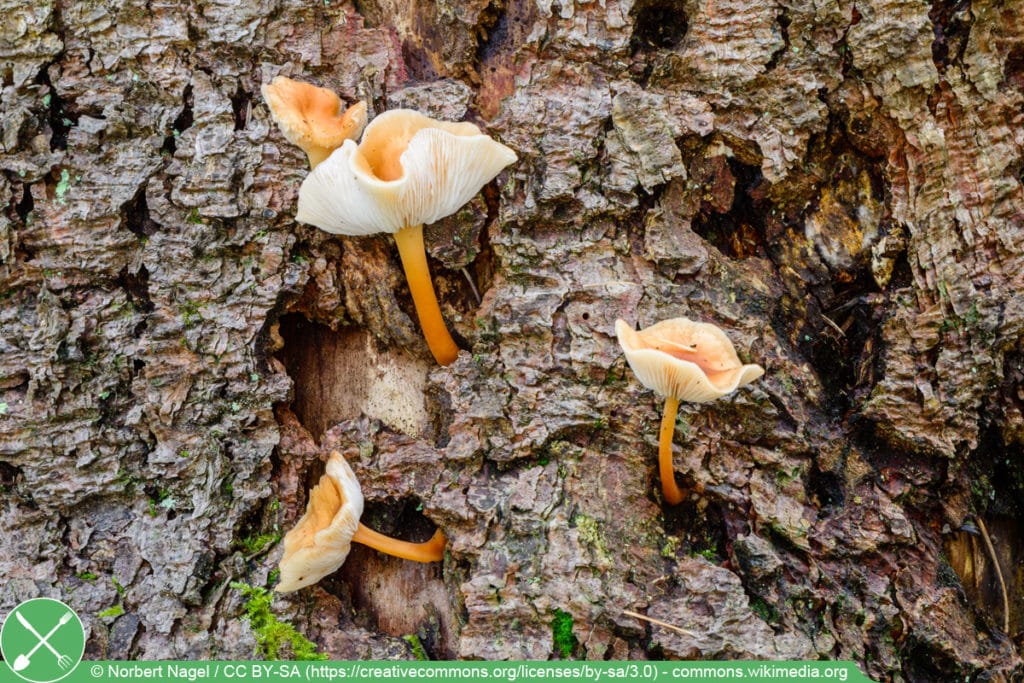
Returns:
(321, 540)
(311, 117)
(408, 170)
(682, 360)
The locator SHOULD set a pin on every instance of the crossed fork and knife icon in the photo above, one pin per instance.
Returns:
(23, 660)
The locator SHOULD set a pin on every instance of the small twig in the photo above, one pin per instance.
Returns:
(999, 574)
(852, 302)
(472, 285)
(644, 617)
(834, 326)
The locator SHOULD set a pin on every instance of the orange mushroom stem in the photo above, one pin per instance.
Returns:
(673, 496)
(682, 360)
(414, 261)
(428, 551)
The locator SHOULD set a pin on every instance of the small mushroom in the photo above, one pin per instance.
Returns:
(408, 170)
(311, 117)
(321, 540)
(682, 360)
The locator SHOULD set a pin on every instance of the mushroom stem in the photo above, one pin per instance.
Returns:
(428, 551)
(414, 261)
(673, 496)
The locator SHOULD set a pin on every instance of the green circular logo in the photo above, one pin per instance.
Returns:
(42, 640)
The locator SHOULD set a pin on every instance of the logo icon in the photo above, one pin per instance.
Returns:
(42, 640)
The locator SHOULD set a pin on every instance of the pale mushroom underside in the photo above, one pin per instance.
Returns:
(441, 171)
(691, 361)
(322, 538)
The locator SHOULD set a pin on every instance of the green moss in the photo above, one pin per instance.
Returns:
(968, 322)
(614, 376)
(189, 314)
(270, 633)
(417, 647)
(561, 634)
(972, 316)
(784, 477)
(254, 544)
(127, 481)
(671, 545)
(86, 576)
(683, 426)
(115, 611)
(162, 500)
(708, 554)
(763, 610)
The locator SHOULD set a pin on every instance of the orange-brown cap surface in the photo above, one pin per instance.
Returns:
(688, 360)
(312, 117)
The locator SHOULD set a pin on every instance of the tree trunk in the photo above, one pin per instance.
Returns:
(836, 185)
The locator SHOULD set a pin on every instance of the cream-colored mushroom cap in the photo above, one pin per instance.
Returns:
(408, 170)
(312, 117)
(688, 360)
(321, 540)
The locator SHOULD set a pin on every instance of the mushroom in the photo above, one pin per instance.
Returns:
(321, 540)
(682, 360)
(311, 117)
(408, 170)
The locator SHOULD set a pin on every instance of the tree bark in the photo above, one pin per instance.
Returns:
(838, 185)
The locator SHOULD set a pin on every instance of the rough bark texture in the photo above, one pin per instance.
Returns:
(836, 184)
